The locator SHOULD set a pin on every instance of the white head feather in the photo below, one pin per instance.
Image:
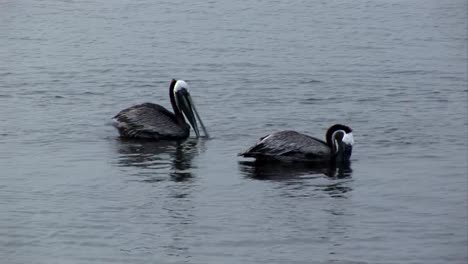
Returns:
(348, 139)
(179, 85)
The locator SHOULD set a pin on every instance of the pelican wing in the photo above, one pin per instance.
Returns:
(289, 145)
(149, 121)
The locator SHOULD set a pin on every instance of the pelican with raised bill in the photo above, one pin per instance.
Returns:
(152, 121)
(291, 146)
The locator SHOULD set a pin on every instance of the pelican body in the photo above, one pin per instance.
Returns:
(152, 121)
(293, 146)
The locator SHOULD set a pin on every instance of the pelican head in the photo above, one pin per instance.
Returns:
(340, 139)
(185, 104)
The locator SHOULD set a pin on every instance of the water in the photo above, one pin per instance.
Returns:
(72, 192)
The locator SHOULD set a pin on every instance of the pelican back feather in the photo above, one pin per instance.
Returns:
(289, 145)
(150, 121)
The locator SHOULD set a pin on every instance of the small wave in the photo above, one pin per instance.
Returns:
(309, 81)
(146, 85)
(250, 65)
(368, 47)
(368, 99)
(315, 99)
(35, 92)
(318, 100)
(3, 74)
(30, 39)
(103, 70)
(453, 78)
(411, 72)
(92, 93)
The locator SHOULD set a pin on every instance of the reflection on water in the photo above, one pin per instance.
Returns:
(281, 171)
(296, 178)
(159, 158)
(337, 190)
(170, 163)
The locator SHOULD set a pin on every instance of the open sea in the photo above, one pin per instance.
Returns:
(396, 71)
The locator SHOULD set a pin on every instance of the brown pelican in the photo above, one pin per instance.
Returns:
(294, 146)
(152, 121)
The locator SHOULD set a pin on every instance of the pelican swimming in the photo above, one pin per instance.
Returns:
(152, 121)
(293, 146)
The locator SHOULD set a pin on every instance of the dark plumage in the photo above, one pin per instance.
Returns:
(152, 121)
(294, 146)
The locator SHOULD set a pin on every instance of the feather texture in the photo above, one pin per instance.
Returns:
(289, 146)
(150, 121)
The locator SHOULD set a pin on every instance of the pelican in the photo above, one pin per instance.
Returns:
(293, 146)
(152, 121)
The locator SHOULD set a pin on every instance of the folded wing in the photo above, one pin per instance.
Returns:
(289, 145)
(149, 121)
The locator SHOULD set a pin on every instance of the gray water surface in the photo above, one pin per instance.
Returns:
(72, 192)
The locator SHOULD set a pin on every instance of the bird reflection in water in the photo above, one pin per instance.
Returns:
(297, 174)
(160, 158)
(280, 171)
(170, 165)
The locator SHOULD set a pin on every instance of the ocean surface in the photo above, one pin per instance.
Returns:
(395, 71)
